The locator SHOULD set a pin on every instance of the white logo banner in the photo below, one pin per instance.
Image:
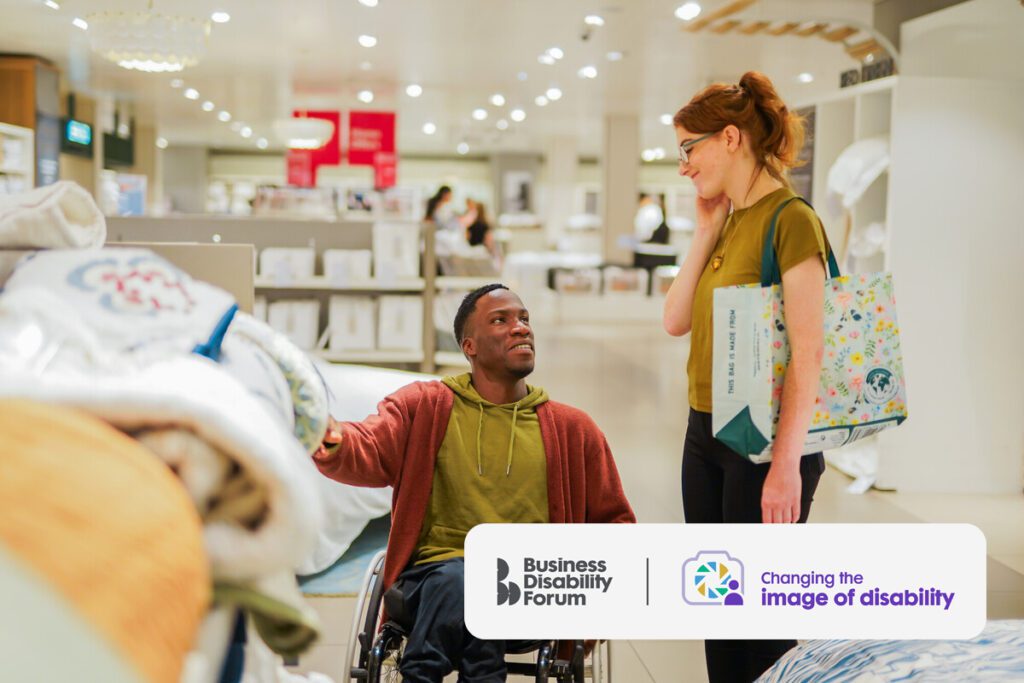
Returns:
(693, 581)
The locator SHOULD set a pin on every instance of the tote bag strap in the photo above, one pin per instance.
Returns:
(770, 274)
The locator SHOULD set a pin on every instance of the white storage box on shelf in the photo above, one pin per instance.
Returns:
(299, 320)
(664, 276)
(400, 323)
(344, 266)
(625, 282)
(352, 324)
(578, 281)
(396, 250)
(285, 266)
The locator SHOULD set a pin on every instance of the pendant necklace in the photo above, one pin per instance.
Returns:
(716, 262)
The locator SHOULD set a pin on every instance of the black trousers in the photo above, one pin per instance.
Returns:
(721, 486)
(439, 642)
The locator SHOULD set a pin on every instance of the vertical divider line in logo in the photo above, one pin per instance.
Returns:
(647, 599)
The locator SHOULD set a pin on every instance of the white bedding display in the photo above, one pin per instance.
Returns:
(996, 655)
(355, 392)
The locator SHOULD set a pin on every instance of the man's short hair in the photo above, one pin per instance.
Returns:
(468, 305)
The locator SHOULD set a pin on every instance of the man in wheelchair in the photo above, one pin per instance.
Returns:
(482, 447)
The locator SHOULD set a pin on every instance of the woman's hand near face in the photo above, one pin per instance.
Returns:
(711, 216)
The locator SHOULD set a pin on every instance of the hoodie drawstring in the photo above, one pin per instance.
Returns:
(512, 439)
(479, 431)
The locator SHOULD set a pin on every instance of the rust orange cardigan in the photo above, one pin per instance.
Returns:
(398, 447)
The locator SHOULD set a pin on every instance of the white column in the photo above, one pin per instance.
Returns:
(562, 160)
(620, 174)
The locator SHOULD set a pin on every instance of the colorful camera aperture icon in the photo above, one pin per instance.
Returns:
(713, 577)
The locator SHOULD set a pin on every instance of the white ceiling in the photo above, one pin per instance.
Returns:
(275, 55)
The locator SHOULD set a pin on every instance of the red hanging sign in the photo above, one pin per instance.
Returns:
(385, 170)
(369, 132)
(301, 169)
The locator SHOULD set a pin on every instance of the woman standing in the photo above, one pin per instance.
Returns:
(736, 143)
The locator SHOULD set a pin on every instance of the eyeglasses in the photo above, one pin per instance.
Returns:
(686, 147)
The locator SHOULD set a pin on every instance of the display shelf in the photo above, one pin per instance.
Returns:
(450, 359)
(321, 283)
(376, 356)
(458, 282)
(17, 159)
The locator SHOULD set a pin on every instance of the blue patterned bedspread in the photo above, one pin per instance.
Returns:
(995, 655)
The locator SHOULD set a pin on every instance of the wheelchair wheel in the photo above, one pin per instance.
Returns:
(599, 668)
(385, 657)
(364, 619)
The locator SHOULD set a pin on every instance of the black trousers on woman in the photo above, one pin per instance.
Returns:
(721, 486)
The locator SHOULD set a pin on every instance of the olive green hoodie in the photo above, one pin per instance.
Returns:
(491, 468)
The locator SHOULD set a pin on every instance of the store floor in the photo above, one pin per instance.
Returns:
(631, 380)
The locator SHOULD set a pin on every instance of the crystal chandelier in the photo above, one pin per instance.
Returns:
(148, 41)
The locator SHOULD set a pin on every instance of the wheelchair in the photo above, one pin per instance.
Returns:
(375, 649)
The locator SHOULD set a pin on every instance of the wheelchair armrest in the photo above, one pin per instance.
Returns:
(394, 605)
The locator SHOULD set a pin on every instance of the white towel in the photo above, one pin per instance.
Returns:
(55, 216)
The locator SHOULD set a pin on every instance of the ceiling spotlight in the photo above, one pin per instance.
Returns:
(208, 106)
(666, 119)
(659, 152)
(368, 3)
(192, 94)
(246, 132)
(546, 59)
(262, 143)
(555, 52)
(413, 90)
(647, 155)
(236, 126)
(220, 17)
(462, 148)
(81, 23)
(502, 124)
(367, 41)
(688, 11)
(161, 143)
(429, 128)
(587, 72)
(522, 75)
(479, 114)
(498, 100)
(554, 94)
(870, 57)
(177, 83)
(51, 4)
(365, 66)
(805, 77)
(540, 101)
(593, 20)
(224, 116)
(517, 115)
(365, 96)
(614, 56)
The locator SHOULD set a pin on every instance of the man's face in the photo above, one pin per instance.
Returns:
(498, 337)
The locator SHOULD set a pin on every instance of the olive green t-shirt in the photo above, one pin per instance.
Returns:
(798, 236)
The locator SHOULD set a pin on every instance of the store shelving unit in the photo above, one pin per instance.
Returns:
(321, 283)
(17, 159)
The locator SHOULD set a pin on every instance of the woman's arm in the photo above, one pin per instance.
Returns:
(678, 312)
(804, 287)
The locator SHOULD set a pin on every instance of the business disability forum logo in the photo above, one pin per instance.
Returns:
(553, 583)
(713, 577)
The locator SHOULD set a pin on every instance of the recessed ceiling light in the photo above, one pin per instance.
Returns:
(540, 101)
(522, 75)
(517, 115)
(236, 126)
(647, 155)
(262, 143)
(588, 71)
(413, 90)
(555, 52)
(192, 94)
(554, 94)
(429, 128)
(220, 17)
(224, 116)
(51, 4)
(365, 66)
(177, 83)
(368, 3)
(546, 59)
(498, 100)
(479, 114)
(870, 58)
(365, 96)
(666, 119)
(367, 41)
(161, 143)
(593, 20)
(688, 11)
(462, 148)
(502, 124)
(246, 132)
(659, 152)
(805, 77)
(81, 23)
(208, 106)
(614, 56)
